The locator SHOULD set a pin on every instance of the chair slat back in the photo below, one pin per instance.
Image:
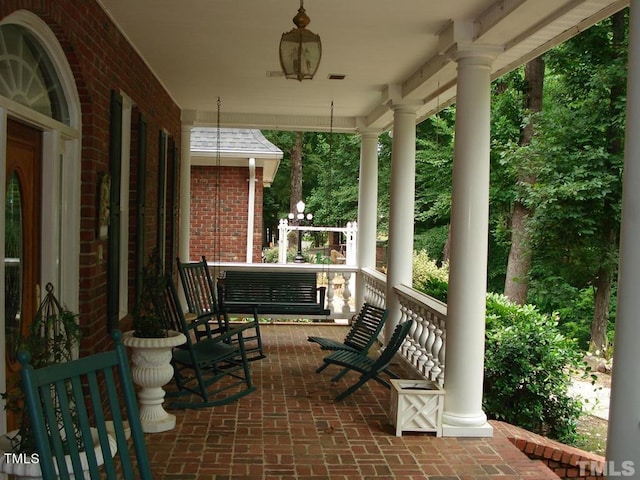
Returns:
(395, 342)
(366, 327)
(70, 405)
(198, 287)
(168, 306)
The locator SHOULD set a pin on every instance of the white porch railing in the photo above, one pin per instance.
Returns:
(425, 347)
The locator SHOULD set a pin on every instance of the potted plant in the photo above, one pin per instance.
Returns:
(151, 342)
(52, 338)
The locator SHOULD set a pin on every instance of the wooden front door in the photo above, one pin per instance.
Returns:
(22, 240)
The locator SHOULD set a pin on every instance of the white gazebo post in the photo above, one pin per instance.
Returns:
(367, 207)
(401, 206)
(283, 232)
(623, 438)
(463, 415)
(351, 232)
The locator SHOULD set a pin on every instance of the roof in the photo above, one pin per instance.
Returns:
(219, 60)
(237, 146)
(233, 141)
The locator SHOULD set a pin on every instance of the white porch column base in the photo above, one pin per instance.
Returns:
(466, 426)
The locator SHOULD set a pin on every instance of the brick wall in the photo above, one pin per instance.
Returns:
(565, 461)
(229, 215)
(102, 61)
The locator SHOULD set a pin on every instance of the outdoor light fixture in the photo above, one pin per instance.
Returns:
(300, 49)
(299, 216)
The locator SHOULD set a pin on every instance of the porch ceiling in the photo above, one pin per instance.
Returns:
(389, 51)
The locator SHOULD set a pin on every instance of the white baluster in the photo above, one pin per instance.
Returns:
(422, 343)
(416, 340)
(330, 290)
(439, 348)
(346, 292)
(429, 363)
(406, 350)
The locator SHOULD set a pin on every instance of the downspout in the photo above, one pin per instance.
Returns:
(251, 208)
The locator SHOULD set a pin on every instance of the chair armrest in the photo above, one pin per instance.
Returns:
(236, 331)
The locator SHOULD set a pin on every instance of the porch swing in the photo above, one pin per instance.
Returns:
(268, 293)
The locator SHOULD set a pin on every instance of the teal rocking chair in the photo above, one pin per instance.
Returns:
(79, 404)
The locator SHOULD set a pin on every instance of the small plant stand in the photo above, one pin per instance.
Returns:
(416, 406)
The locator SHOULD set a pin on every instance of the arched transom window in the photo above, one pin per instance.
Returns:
(27, 76)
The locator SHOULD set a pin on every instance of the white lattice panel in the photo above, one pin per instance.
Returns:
(416, 406)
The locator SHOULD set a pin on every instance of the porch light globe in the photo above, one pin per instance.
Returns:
(300, 49)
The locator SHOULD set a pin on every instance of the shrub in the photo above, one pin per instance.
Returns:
(527, 370)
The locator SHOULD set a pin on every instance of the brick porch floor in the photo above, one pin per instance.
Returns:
(291, 428)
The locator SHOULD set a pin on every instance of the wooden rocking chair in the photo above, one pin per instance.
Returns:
(199, 290)
(369, 368)
(215, 367)
(72, 401)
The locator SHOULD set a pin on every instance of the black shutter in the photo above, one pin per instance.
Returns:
(141, 184)
(113, 243)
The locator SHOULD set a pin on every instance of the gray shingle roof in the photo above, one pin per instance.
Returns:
(232, 140)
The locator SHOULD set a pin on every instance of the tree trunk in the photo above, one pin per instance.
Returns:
(446, 250)
(602, 298)
(296, 173)
(615, 147)
(516, 285)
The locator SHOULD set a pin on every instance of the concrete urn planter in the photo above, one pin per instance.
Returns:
(151, 370)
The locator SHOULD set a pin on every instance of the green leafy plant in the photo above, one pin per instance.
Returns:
(146, 321)
(528, 365)
(52, 338)
(429, 277)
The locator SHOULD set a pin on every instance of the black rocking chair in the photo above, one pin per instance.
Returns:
(215, 367)
(199, 290)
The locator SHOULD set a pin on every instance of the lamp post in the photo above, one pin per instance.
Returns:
(299, 216)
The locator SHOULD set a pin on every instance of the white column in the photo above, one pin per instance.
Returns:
(463, 415)
(367, 207)
(623, 439)
(401, 206)
(251, 208)
(184, 227)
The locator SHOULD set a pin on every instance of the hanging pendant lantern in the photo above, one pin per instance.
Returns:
(300, 49)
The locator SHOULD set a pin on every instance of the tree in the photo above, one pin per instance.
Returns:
(519, 262)
(578, 193)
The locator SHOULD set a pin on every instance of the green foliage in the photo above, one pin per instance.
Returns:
(52, 338)
(432, 241)
(330, 169)
(146, 321)
(428, 277)
(527, 365)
